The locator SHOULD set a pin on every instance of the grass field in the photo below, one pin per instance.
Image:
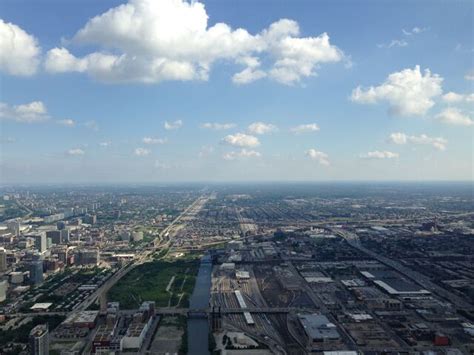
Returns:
(148, 282)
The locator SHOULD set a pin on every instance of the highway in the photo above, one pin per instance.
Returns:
(101, 292)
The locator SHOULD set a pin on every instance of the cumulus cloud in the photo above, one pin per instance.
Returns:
(76, 152)
(251, 72)
(247, 76)
(19, 51)
(218, 126)
(452, 97)
(320, 157)
(261, 128)
(67, 122)
(151, 140)
(32, 112)
(379, 155)
(141, 152)
(454, 116)
(469, 75)
(402, 138)
(241, 140)
(173, 125)
(408, 92)
(153, 41)
(243, 153)
(297, 57)
(305, 128)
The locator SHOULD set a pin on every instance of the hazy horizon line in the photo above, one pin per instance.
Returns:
(234, 182)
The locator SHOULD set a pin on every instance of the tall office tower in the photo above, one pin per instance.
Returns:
(65, 235)
(62, 254)
(3, 260)
(90, 219)
(55, 236)
(3, 290)
(39, 340)
(40, 242)
(36, 271)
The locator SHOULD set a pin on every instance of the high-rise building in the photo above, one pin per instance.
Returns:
(35, 268)
(39, 340)
(3, 290)
(61, 252)
(40, 242)
(3, 260)
(65, 235)
(90, 219)
(55, 236)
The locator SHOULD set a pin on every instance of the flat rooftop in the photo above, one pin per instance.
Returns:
(318, 327)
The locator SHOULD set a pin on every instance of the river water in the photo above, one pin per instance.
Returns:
(198, 329)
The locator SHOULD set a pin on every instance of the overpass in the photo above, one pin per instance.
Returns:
(189, 312)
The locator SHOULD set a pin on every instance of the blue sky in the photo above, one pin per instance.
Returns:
(411, 118)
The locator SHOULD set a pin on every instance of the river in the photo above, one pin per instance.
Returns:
(198, 329)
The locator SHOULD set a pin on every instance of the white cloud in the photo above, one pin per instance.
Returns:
(141, 152)
(305, 128)
(320, 157)
(414, 31)
(251, 73)
(402, 138)
(173, 125)
(241, 140)
(59, 60)
(261, 128)
(243, 153)
(19, 51)
(27, 113)
(154, 41)
(76, 152)
(151, 140)
(218, 126)
(469, 75)
(104, 144)
(379, 155)
(394, 43)
(452, 97)
(408, 92)
(454, 116)
(67, 122)
(247, 76)
(296, 57)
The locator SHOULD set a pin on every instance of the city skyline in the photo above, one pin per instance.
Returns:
(142, 91)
